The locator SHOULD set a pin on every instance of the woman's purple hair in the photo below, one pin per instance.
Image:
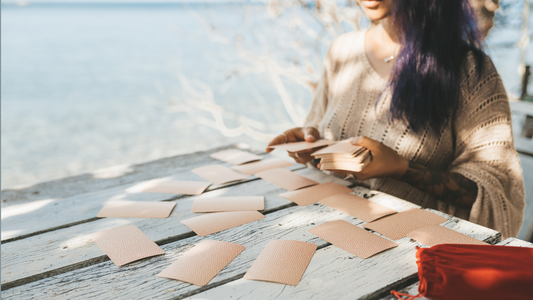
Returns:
(436, 36)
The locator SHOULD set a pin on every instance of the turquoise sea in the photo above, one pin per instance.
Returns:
(89, 86)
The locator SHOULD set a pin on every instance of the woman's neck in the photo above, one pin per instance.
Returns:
(382, 47)
(387, 34)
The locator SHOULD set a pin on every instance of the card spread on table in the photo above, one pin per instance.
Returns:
(236, 157)
(302, 146)
(316, 193)
(282, 261)
(218, 174)
(267, 164)
(169, 186)
(126, 244)
(397, 226)
(286, 179)
(352, 238)
(436, 235)
(214, 222)
(216, 204)
(358, 207)
(136, 209)
(203, 262)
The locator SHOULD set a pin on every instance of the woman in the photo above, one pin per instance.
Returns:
(419, 93)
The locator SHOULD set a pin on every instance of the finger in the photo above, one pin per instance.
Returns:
(305, 157)
(295, 134)
(298, 155)
(306, 152)
(280, 139)
(311, 134)
(360, 176)
(366, 142)
(300, 161)
(297, 159)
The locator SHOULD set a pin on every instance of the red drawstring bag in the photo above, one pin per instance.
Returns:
(453, 271)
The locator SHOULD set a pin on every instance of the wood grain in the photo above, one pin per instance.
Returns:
(108, 177)
(336, 274)
(40, 216)
(70, 248)
(138, 280)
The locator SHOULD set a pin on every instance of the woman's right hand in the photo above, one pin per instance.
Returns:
(298, 134)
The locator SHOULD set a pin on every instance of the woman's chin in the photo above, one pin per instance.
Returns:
(376, 10)
(376, 15)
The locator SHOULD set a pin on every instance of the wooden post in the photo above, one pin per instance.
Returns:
(525, 81)
(524, 43)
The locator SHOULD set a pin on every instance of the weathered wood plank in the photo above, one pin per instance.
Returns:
(138, 280)
(70, 248)
(110, 177)
(515, 243)
(292, 220)
(413, 288)
(37, 217)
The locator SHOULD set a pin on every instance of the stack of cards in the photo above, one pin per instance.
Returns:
(302, 146)
(343, 156)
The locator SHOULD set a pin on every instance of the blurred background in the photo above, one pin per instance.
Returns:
(89, 85)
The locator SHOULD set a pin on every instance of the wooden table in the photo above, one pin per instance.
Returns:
(47, 251)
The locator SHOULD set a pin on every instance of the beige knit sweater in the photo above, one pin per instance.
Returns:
(477, 144)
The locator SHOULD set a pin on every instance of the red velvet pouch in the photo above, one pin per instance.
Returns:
(452, 271)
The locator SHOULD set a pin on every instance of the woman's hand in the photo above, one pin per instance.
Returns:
(385, 161)
(298, 134)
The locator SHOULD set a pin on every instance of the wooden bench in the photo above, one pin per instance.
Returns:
(47, 251)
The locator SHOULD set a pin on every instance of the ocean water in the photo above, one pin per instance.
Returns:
(85, 87)
(88, 87)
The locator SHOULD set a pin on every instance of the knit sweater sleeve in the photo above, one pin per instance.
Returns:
(485, 153)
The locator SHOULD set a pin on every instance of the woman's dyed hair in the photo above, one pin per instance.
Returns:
(436, 36)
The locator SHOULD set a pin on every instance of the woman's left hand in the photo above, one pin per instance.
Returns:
(385, 161)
